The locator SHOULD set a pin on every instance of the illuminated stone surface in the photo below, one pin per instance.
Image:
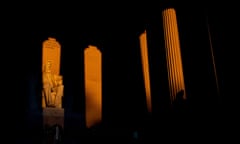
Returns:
(145, 66)
(173, 53)
(52, 82)
(93, 85)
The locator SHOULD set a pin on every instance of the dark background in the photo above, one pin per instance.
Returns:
(114, 29)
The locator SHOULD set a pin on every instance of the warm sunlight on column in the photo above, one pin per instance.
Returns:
(93, 85)
(52, 51)
(173, 53)
(144, 54)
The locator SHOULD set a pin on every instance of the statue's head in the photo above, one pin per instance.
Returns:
(48, 66)
(61, 80)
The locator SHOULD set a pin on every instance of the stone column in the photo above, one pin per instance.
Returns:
(93, 85)
(145, 66)
(173, 53)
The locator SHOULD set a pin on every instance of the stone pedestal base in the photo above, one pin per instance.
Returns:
(53, 116)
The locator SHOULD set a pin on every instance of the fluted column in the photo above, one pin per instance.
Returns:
(173, 53)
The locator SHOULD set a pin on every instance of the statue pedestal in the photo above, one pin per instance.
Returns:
(53, 116)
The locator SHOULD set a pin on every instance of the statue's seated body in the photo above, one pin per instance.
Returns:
(52, 88)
